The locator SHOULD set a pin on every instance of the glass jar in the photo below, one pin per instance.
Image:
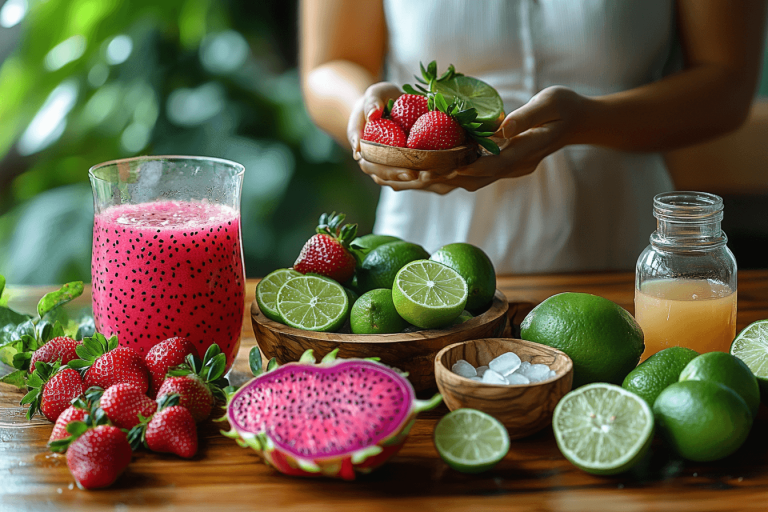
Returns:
(685, 280)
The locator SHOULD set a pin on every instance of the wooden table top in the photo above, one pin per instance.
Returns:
(533, 476)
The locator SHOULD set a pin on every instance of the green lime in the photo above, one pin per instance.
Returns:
(429, 294)
(728, 370)
(601, 337)
(657, 372)
(313, 303)
(702, 420)
(362, 245)
(382, 264)
(475, 267)
(478, 95)
(751, 346)
(603, 429)
(471, 441)
(375, 313)
(266, 291)
(463, 317)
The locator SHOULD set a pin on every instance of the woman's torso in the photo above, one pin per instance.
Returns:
(584, 207)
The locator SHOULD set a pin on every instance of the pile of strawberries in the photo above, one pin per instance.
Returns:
(106, 400)
(423, 119)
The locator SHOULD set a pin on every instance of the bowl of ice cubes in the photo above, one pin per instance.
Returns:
(517, 382)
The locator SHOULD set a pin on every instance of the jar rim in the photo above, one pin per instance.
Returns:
(688, 207)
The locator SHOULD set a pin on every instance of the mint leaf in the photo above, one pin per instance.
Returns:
(76, 322)
(2, 284)
(61, 296)
(16, 378)
(11, 323)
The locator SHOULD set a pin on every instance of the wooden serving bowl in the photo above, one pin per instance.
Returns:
(413, 352)
(523, 409)
(419, 159)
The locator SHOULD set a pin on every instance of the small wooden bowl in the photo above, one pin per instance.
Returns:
(419, 159)
(523, 409)
(413, 352)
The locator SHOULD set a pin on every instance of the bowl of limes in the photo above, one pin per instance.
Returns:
(517, 382)
(392, 300)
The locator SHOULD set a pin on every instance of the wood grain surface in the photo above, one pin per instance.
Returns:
(533, 476)
(413, 352)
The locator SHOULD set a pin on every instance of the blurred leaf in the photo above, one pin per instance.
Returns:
(52, 300)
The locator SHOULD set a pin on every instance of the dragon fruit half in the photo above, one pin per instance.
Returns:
(328, 419)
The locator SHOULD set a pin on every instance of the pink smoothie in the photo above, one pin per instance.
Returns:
(168, 269)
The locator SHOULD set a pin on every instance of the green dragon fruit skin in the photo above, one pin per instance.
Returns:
(333, 419)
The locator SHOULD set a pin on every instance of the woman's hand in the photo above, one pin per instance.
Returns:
(549, 121)
(375, 98)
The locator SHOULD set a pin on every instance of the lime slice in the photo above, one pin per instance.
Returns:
(429, 294)
(266, 291)
(471, 441)
(477, 94)
(751, 346)
(602, 428)
(313, 303)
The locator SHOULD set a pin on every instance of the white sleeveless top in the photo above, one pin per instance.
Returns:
(584, 207)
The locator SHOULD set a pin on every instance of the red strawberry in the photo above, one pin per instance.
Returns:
(57, 349)
(407, 109)
(98, 456)
(172, 430)
(70, 414)
(51, 390)
(327, 252)
(193, 395)
(123, 403)
(384, 131)
(107, 364)
(436, 130)
(197, 383)
(164, 356)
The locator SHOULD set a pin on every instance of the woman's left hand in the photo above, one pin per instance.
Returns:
(549, 121)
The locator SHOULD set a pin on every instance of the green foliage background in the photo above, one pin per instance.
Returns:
(203, 77)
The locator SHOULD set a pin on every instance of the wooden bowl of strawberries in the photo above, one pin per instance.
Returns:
(441, 124)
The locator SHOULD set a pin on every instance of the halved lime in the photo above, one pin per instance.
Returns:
(471, 441)
(266, 291)
(751, 346)
(429, 294)
(313, 303)
(602, 428)
(477, 94)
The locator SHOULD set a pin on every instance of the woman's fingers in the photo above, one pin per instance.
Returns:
(387, 173)
(375, 97)
(543, 108)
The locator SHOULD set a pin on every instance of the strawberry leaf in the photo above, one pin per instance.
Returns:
(487, 144)
(254, 361)
(61, 296)
(16, 378)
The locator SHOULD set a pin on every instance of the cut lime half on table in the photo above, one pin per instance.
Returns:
(471, 441)
(266, 291)
(312, 303)
(478, 95)
(429, 294)
(751, 346)
(602, 428)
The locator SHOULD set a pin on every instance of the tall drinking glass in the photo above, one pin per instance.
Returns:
(167, 252)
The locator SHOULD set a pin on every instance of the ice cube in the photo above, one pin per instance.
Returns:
(476, 378)
(523, 367)
(537, 372)
(481, 370)
(463, 368)
(552, 374)
(517, 378)
(505, 363)
(492, 377)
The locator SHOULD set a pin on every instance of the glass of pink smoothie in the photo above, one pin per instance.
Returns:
(167, 252)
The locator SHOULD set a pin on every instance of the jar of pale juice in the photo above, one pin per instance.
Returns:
(685, 280)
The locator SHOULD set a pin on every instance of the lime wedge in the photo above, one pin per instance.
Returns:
(313, 303)
(266, 291)
(429, 294)
(477, 94)
(751, 346)
(471, 441)
(602, 428)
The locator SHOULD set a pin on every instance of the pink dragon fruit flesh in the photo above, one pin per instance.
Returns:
(334, 418)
